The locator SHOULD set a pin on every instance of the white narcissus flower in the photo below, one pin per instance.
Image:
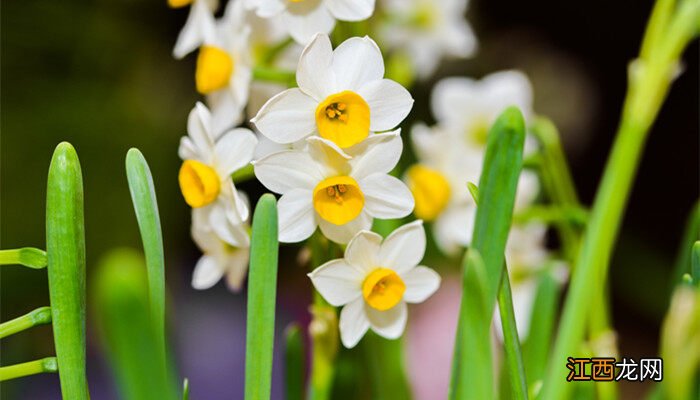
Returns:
(338, 191)
(428, 30)
(225, 247)
(224, 71)
(304, 18)
(205, 174)
(198, 27)
(342, 96)
(375, 280)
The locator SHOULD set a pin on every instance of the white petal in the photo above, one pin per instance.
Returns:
(199, 130)
(206, 273)
(389, 324)
(460, 40)
(234, 235)
(386, 197)
(287, 117)
(421, 282)
(287, 170)
(357, 61)
(236, 206)
(237, 268)
(297, 218)
(363, 249)
(234, 150)
(314, 74)
(187, 150)
(338, 282)
(343, 233)
(453, 228)
(404, 248)
(389, 103)
(350, 10)
(327, 154)
(269, 8)
(353, 323)
(226, 111)
(199, 28)
(452, 98)
(379, 153)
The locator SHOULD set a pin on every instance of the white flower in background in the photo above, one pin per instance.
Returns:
(439, 185)
(338, 191)
(205, 174)
(342, 96)
(375, 280)
(304, 18)
(428, 30)
(467, 108)
(226, 250)
(198, 27)
(224, 72)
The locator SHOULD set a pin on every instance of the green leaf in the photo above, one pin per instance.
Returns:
(295, 362)
(65, 248)
(511, 341)
(690, 235)
(696, 263)
(143, 196)
(186, 389)
(474, 191)
(27, 256)
(262, 291)
(472, 374)
(384, 360)
(40, 316)
(126, 329)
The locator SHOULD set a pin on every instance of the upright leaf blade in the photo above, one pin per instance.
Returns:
(127, 330)
(65, 248)
(143, 196)
(262, 292)
(295, 362)
(472, 375)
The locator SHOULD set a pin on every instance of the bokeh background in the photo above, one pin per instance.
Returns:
(100, 75)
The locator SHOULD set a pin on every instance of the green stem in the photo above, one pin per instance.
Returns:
(40, 316)
(27, 256)
(511, 340)
(65, 248)
(650, 78)
(47, 364)
(295, 362)
(272, 52)
(275, 75)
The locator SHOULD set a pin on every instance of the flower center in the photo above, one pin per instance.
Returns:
(478, 131)
(383, 289)
(430, 189)
(338, 200)
(179, 3)
(214, 69)
(343, 118)
(199, 183)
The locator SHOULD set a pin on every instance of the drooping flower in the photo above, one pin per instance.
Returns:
(304, 18)
(205, 174)
(338, 191)
(225, 247)
(342, 96)
(198, 27)
(224, 70)
(375, 280)
(439, 185)
(428, 30)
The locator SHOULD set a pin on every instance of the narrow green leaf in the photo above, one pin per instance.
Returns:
(143, 196)
(126, 329)
(690, 235)
(186, 389)
(696, 263)
(65, 248)
(40, 316)
(474, 191)
(27, 256)
(262, 292)
(384, 360)
(511, 341)
(474, 340)
(295, 362)
(472, 376)
(28, 368)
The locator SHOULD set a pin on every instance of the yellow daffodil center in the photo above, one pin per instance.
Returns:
(338, 200)
(383, 289)
(179, 3)
(478, 131)
(343, 118)
(199, 183)
(214, 69)
(430, 189)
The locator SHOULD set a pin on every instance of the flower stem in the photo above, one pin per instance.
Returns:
(27, 256)
(47, 364)
(511, 340)
(275, 75)
(40, 316)
(649, 81)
